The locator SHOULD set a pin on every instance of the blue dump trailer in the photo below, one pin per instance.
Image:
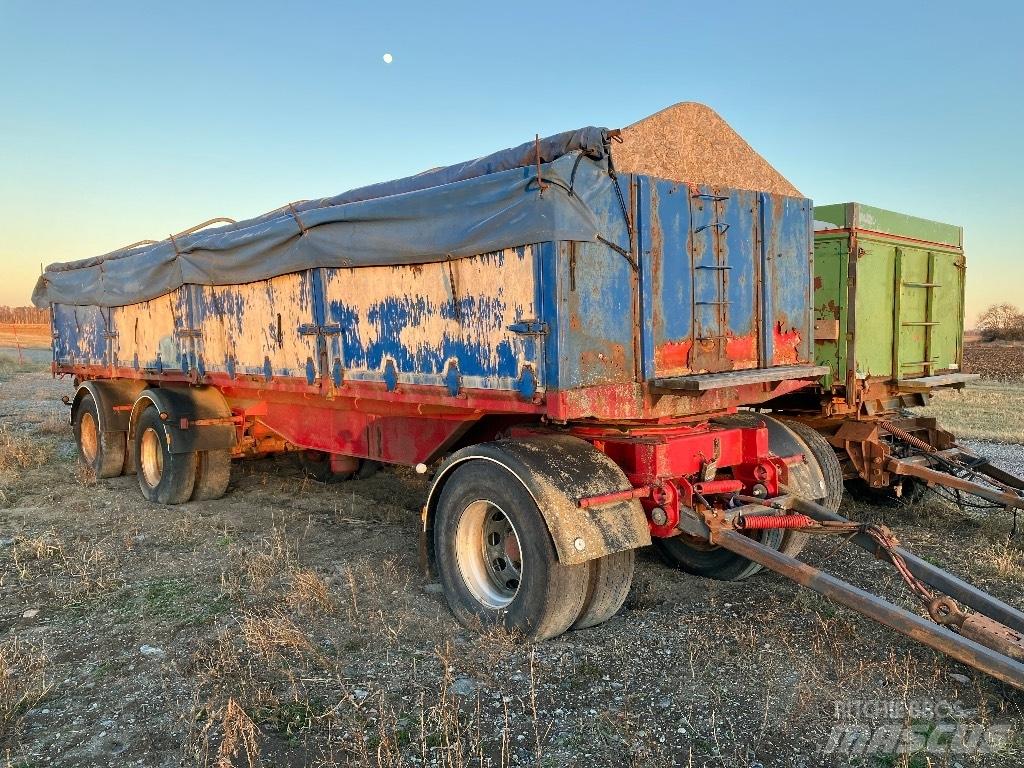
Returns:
(566, 348)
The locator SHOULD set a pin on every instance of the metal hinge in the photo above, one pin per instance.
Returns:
(529, 327)
(312, 329)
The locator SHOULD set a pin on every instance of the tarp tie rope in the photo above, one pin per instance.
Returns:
(540, 179)
(295, 215)
(627, 255)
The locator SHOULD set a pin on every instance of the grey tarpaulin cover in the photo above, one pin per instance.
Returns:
(475, 207)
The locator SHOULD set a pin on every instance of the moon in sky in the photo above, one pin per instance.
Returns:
(388, 58)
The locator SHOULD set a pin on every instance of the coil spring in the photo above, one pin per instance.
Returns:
(905, 436)
(764, 522)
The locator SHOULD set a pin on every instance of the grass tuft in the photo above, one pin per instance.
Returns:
(22, 682)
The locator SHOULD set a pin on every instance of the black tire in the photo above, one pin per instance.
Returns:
(914, 491)
(367, 469)
(832, 473)
(102, 452)
(714, 562)
(828, 461)
(611, 577)
(539, 600)
(213, 473)
(316, 465)
(164, 477)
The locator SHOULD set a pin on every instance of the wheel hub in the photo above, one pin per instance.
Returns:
(89, 437)
(151, 457)
(489, 554)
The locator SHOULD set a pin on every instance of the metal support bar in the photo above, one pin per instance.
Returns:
(903, 621)
(899, 467)
(957, 588)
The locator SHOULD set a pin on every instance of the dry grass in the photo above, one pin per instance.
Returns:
(272, 636)
(240, 736)
(19, 451)
(985, 411)
(1004, 559)
(53, 424)
(11, 365)
(310, 593)
(77, 570)
(22, 681)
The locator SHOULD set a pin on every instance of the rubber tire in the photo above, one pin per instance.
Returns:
(178, 478)
(213, 473)
(793, 542)
(367, 469)
(715, 563)
(828, 460)
(550, 597)
(316, 465)
(611, 577)
(110, 446)
(914, 490)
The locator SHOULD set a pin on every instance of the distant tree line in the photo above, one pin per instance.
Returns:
(24, 315)
(1001, 322)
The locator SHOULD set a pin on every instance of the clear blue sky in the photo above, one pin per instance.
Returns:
(121, 121)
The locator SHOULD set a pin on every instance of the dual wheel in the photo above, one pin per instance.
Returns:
(498, 564)
(164, 477)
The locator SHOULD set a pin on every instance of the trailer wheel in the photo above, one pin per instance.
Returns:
(611, 577)
(213, 473)
(316, 465)
(164, 477)
(496, 559)
(828, 460)
(711, 561)
(103, 452)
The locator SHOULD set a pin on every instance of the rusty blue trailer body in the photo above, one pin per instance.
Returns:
(651, 302)
(692, 280)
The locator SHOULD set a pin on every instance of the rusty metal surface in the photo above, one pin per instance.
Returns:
(556, 328)
(725, 279)
(253, 327)
(994, 635)
(147, 336)
(930, 574)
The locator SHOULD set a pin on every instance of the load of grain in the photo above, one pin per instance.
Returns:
(690, 142)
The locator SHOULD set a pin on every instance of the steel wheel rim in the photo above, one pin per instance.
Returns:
(489, 554)
(89, 437)
(151, 457)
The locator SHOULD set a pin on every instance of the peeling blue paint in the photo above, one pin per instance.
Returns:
(453, 380)
(390, 376)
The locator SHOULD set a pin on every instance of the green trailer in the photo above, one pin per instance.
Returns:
(889, 325)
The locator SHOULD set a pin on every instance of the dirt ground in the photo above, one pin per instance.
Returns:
(289, 624)
(995, 360)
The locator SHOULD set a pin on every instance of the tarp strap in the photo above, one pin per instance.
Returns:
(174, 244)
(295, 215)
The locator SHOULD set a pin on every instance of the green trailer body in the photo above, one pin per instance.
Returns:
(889, 326)
(894, 312)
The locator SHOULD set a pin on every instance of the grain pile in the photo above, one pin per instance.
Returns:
(690, 142)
